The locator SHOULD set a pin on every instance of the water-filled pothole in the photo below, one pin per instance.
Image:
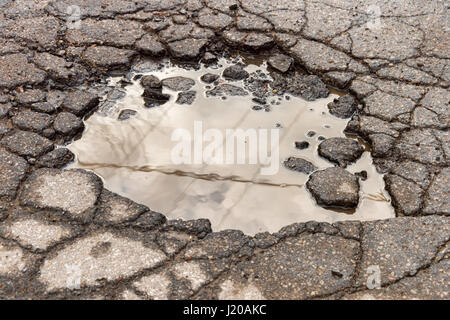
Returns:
(133, 150)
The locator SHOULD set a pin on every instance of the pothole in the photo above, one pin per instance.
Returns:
(130, 143)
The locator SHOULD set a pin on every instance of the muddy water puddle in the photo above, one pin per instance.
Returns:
(135, 156)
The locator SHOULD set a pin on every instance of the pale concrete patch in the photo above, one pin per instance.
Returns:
(12, 260)
(130, 295)
(156, 286)
(119, 211)
(76, 199)
(74, 191)
(233, 291)
(39, 235)
(113, 208)
(102, 256)
(192, 272)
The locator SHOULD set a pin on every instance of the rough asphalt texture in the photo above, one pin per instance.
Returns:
(334, 187)
(57, 226)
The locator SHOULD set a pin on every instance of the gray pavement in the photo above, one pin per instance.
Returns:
(62, 235)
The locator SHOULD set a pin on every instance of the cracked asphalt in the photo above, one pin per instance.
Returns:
(59, 226)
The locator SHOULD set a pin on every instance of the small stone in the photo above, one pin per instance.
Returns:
(340, 150)
(226, 89)
(187, 49)
(150, 81)
(299, 165)
(154, 97)
(67, 123)
(56, 159)
(362, 174)
(334, 187)
(150, 45)
(178, 83)
(235, 72)
(343, 107)
(187, 97)
(261, 101)
(339, 79)
(208, 57)
(301, 145)
(308, 87)
(313, 88)
(126, 114)
(209, 77)
(280, 62)
(80, 102)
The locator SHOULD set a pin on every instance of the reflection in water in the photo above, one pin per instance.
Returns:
(134, 159)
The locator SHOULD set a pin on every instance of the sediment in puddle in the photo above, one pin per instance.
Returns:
(134, 156)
